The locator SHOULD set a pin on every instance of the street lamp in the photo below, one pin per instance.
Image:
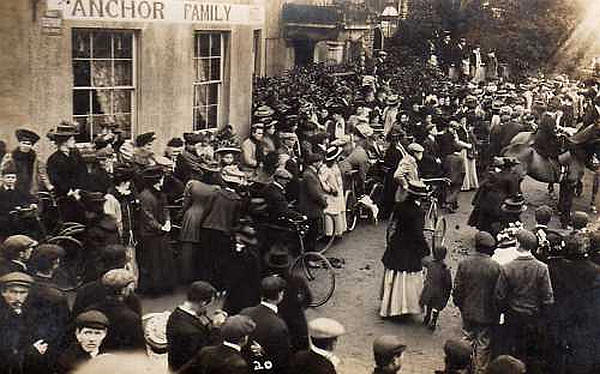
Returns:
(388, 22)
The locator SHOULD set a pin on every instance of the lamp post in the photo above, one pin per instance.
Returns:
(388, 22)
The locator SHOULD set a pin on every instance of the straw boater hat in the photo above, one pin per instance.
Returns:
(333, 153)
(514, 204)
(225, 150)
(63, 131)
(264, 111)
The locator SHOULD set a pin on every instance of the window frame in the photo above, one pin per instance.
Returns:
(196, 58)
(133, 88)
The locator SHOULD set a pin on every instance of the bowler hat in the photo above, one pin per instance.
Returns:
(16, 279)
(27, 135)
(63, 131)
(278, 258)
(145, 139)
(237, 327)
(325, 328)
(93, 319)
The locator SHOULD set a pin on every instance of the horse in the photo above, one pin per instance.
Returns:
(543, 170)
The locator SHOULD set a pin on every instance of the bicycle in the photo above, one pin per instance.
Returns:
(355, 207)
(435, 224)
(315, 268)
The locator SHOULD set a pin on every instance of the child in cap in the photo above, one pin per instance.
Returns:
(437, 287)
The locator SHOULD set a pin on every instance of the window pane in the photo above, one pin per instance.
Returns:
(213, 93)
(204, 45)
(81, 74)
(200, 95)
(102, 75)
(122, 101)
(98, 121)
(215, 69)
(80, 44)
(123, 121)
(81, 102)
(84, 129)
(202, 69)
(101, 45)
(199, 118)
(212, 116)
(123, 73)
(215, 46)
(101, 101)
(123, 45)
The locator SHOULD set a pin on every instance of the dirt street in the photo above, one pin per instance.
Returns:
(355, 302)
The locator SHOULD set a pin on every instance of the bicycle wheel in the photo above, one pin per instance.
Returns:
(439, 235)
(325, 242)
(319, 276)
(69, 275)
(351, 211)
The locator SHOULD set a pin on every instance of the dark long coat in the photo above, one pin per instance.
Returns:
(311, 199)
(437, 286)
(125, 332)
(155, 258)
(186, 336)
(277, 204)
(309, 362)
(92, 292)
(17, 334)
(67, 172)
(272, 334)
(243, 280)
(71, 358)
(406, 242)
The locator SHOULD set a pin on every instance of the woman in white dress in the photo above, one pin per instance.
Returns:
(333, 185)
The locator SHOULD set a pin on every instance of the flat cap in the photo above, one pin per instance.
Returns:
(117, 278)
(281, 173)
(458, 352)
(415, 147)
(92, 319)
(484, 239)
(527, 240)
(236, 327)
(17, 279)
(325, 328)
(388, 346)
(18, 243)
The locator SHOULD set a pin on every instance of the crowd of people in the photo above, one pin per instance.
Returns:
(192, 214)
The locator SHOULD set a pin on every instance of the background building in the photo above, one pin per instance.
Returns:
(147, 65)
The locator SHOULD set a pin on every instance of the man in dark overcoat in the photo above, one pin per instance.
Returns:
(189, 329)
(16, 253)
(474, 286)
(271, 331)
(227, 357)
(311, 201)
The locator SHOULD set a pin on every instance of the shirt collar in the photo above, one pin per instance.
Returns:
(273, 307)
(186, 308)
(232, 346)
(328, 355)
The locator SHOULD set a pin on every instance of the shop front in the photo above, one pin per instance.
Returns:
(169, 66)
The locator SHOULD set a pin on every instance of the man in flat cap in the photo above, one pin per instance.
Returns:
(91, 328)
(271, 331)
(227, 357)
(30, 169)
(16, 253)
(189, 328)
(474, 287)
(17, 324)
(457, 357)
(388, 351)
(125, 332)
(320, 359)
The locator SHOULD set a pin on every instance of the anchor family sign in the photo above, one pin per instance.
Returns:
(168, 11)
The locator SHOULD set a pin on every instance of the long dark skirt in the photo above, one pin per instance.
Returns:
(216, 256)
(157, 266)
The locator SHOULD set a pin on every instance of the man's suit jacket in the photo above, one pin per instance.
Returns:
(474, 286)
(186, 335)
(218, 359)
(277, 204)
(272, 334)
(311, 199)
(309, 362)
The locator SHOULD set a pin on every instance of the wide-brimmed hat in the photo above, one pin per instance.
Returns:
(417, 188)
(122, 174)
(364, 130)
(145, 138)
(333, 153)
(63, 131)
(392, 99)
(191, 138)
(278, 258)
(264, 111)
(515, 204)
(26, 135)
(224, 150)
(153, 173)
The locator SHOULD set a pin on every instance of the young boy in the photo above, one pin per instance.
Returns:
(437, 289)
(13, 199)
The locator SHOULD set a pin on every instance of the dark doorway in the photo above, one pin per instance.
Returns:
(377, 39)
(304, 52)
